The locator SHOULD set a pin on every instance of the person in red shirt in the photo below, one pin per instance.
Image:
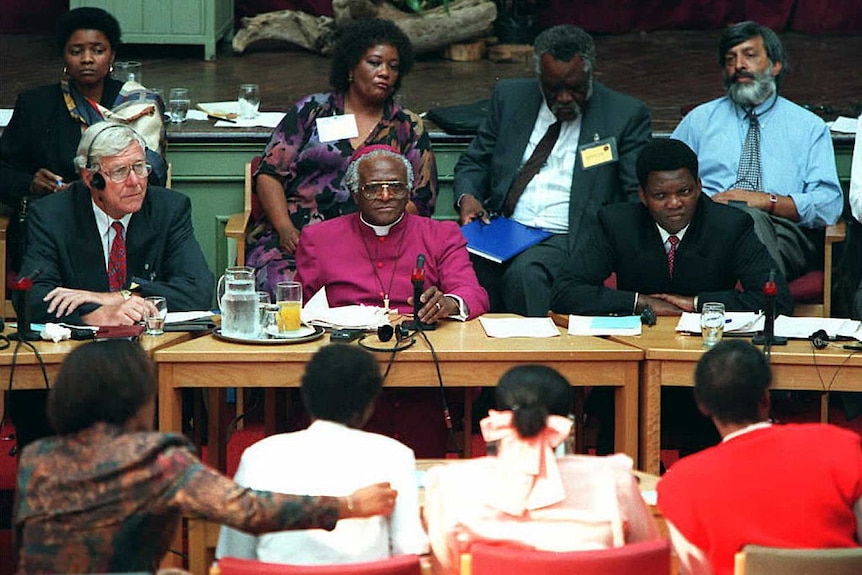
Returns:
(792, 486)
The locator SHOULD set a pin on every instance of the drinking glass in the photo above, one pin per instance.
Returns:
(289, 300)
(179, 101)
(712, 323)
(262, 304)
(128, 72)
(155, 316)
(249, 101)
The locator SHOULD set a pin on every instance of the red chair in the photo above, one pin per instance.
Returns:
(645, 558)
(401, 565)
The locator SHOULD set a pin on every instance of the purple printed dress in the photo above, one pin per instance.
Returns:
(313, 172)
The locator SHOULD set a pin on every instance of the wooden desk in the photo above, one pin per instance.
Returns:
(467, 358)
(28, 372)
(671, 358)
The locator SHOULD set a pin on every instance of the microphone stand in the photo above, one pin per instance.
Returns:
(417, 278)
(24, 332)
(767, 337)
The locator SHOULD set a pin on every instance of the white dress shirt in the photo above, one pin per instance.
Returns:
(545, 201)
(331, 459)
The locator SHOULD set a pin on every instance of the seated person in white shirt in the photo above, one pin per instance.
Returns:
(333, 456)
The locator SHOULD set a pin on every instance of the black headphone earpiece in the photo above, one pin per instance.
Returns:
(98, 181)
(819, 339)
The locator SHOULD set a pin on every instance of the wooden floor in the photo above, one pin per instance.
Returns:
(670, 70)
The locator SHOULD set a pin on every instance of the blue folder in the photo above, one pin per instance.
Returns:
(502, 239)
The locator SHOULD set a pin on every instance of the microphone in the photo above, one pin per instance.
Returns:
(417, 278)
(767, 337)
(24, 284)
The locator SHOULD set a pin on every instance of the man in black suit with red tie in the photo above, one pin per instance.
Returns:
(674, 250)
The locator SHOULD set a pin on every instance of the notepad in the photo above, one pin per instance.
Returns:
(604, 325)
(502, 239)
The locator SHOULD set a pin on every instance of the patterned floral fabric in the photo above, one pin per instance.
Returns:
(313, 173)
(105, 500)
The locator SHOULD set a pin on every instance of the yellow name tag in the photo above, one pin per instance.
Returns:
(598, 153)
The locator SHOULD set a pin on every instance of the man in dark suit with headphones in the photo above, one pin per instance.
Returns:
(71, 236)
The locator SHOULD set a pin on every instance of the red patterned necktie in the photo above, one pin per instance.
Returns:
(534, 163)
(117, 259)
(671, 254)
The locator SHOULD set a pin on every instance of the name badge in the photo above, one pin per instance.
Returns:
(598, 153)
(332, 128)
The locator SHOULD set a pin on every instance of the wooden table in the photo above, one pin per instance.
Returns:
(28, 372)
(670, 359)
(468, 358)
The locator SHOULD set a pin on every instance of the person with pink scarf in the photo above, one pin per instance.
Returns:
(525, 495)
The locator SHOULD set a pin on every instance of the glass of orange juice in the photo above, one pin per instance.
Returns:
(288, 296)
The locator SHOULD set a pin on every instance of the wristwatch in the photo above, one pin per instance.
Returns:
(773, 200)
(127, 295)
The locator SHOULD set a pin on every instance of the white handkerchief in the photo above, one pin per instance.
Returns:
(318, 312)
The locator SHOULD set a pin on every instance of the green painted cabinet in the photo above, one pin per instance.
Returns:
(197, 22)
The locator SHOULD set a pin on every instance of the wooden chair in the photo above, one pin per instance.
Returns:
(5, 305)
(401, 565)
(651, 557)
(812, 292)
(237, 223)
(759, 560)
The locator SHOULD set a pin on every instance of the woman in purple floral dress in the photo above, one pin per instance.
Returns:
(299, 181)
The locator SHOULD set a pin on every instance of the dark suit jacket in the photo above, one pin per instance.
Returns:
(487, 168)
(718, 250)
(41, 134)
(163, 256)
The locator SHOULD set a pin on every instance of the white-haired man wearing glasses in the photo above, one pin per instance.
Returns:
(97, 249)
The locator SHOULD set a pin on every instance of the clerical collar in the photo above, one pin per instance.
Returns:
(747, 429)
(381, 230)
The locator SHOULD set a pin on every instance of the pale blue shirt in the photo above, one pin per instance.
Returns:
(545, 201)
(796, 153)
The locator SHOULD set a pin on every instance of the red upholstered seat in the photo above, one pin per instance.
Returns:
(634, 559)
(808, 288)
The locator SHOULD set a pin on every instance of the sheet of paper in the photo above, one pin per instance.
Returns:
(735, 322)
(604, 325)
(184, 316)
(519, 327)
(803, 327)
(264, 119)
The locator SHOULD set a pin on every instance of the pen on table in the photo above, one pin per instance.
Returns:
(221, 118)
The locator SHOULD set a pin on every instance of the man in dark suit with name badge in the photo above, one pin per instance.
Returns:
(551, 152)
(674, 250)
